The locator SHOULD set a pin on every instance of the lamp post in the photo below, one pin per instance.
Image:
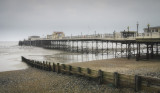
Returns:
(137, 28)
(95, 33)
(81, 34)
(128, 31)
(128, 28)
(148, 29)
(114, 33)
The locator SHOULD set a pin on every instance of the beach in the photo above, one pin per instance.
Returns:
(17, 77)
(125, 66)
(32, 80)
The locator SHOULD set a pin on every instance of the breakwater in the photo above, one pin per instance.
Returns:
(116, 80)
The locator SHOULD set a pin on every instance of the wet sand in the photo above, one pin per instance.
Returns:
(123, 65)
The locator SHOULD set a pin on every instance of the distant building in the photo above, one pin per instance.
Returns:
(49, 36)
(108, 35)
(116, 34)
(58, 35)
(152, 31)
(33, 37)
(126, 34)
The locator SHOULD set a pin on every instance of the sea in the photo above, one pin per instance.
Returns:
(10, 56)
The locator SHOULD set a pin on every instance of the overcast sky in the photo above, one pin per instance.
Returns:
(22, 18)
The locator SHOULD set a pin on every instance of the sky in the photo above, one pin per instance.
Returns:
(22, 18)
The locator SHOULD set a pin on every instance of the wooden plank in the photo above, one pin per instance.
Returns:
(74, 70)
(108, 75)
(150, 84)
(153, 81)
(151, 89)
(126, 81)
(94, 73)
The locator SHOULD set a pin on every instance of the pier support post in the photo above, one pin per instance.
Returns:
(126, 50)
(152, 54)
(129, 50)
(102, 49)
(157, 49)
(116, 51)
(96, 46)
(112, 49)
(82, 46)
(92, 47)
(121, 49)
(87, 48)
(147, 55)
(137, 55)
(72, 46)
(107, 48)
(77, 46)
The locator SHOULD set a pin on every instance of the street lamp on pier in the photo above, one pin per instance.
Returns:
(148, 28)
(128, 28)
(137, 28)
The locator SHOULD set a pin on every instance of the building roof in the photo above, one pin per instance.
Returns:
(58, 32)
(128, 31)
(152, 27)
(34, 36)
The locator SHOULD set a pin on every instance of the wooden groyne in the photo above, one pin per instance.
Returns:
(116, 80)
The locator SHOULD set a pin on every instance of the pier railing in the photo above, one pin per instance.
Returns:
(117, 80)
(116, 36)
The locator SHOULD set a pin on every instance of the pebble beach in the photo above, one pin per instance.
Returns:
(150, 68)
(32, 80)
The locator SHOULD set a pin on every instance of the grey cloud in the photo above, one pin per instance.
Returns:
(42, 17)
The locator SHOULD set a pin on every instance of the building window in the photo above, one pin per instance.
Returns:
(156, 30)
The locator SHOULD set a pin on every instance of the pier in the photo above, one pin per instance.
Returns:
(139, 47)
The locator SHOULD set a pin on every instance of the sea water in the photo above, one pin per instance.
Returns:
(10, 56)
